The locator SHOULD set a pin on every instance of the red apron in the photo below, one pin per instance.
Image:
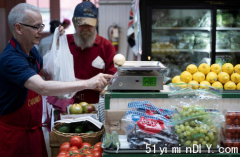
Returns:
(21, 132)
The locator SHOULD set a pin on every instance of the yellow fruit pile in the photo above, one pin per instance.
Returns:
(227, 77)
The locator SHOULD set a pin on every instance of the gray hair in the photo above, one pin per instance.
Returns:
(18, 14)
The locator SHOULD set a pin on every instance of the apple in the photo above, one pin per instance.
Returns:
(89, 108)
(76, 109)
(83, 103)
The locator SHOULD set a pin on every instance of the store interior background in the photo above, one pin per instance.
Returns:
(109, 12)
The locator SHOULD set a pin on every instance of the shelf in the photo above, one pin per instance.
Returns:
(181, 50)
(184, 28)
(228, 28)
(226, 50)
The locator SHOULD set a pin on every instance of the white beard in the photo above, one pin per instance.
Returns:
(85, 39)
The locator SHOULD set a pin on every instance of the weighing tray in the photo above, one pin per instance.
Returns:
(141, 65)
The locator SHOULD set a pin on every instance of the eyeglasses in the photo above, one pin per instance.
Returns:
(40, 28)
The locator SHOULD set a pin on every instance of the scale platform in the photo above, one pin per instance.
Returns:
(138, 75)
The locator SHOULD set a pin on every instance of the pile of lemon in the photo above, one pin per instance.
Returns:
(227, 77)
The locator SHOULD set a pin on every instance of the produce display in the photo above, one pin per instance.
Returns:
(82, 107)
(205, 76)
(231, 129)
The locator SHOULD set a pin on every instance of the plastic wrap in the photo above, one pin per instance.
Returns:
(198, 120)
(147, 124)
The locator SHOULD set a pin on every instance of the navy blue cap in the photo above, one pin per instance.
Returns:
(85, 9)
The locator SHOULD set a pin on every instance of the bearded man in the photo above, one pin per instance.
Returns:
(92, 53)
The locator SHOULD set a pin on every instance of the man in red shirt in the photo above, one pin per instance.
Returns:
(92, 53)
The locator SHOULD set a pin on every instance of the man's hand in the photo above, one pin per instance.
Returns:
(61, 30)
(99, 81)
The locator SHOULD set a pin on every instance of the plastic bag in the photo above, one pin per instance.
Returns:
(146, 124)
(198, 120)
(58, 62)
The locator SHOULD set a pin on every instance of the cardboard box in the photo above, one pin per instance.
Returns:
(113, 121)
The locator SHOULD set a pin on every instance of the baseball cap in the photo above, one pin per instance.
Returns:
(85, 13)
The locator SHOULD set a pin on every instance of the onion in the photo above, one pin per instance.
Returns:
(119, 59)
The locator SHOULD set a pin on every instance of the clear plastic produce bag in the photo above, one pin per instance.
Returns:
(198, 120)
(58, 62)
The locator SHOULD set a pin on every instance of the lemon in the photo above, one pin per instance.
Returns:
(186, 76)
(211, 77)
(204, 84)
(235, 77)
(204, 68)
(237, 68)
(238, 86)
(176, 79)
(230, 85)
(217, 84)
(194, 84)
(198, 76)
(228, 68)
(223, 77)
(216, 68)
(191, 68)
(182, 84)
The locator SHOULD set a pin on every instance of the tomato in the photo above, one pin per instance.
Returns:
(76, 141)
(98, 144)
(65, 146)
(97, 149)
(75, 151)
(77, 155)
(97, 154)
(232, 115)
(89, 155)
(73, 148)
(229, 121)
(236, 122)
(87, 152)
(62, 155)
(85, 144)
(62, 152)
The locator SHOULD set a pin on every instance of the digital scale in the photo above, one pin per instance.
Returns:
(138, 75)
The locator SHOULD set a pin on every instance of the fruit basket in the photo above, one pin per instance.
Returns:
(91, 138)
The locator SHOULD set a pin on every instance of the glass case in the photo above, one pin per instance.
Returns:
(179, 33)
(228, 36)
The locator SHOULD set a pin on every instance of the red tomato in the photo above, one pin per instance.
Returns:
(236, 122)
(228, 143)
(65, 146)
(62, 152)
(97, 149)
(62, 155)
(85, 144)
(97, 154)
(73, 148)
(232, 115)
(87, 152)
(75, 151)
(76, 141)
(89, 155)
(98, 144)
(77, 155)
(229, 121)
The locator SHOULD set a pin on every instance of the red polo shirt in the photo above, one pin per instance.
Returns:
(83, 64)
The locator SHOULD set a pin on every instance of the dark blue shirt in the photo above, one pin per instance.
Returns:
(16, 68)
